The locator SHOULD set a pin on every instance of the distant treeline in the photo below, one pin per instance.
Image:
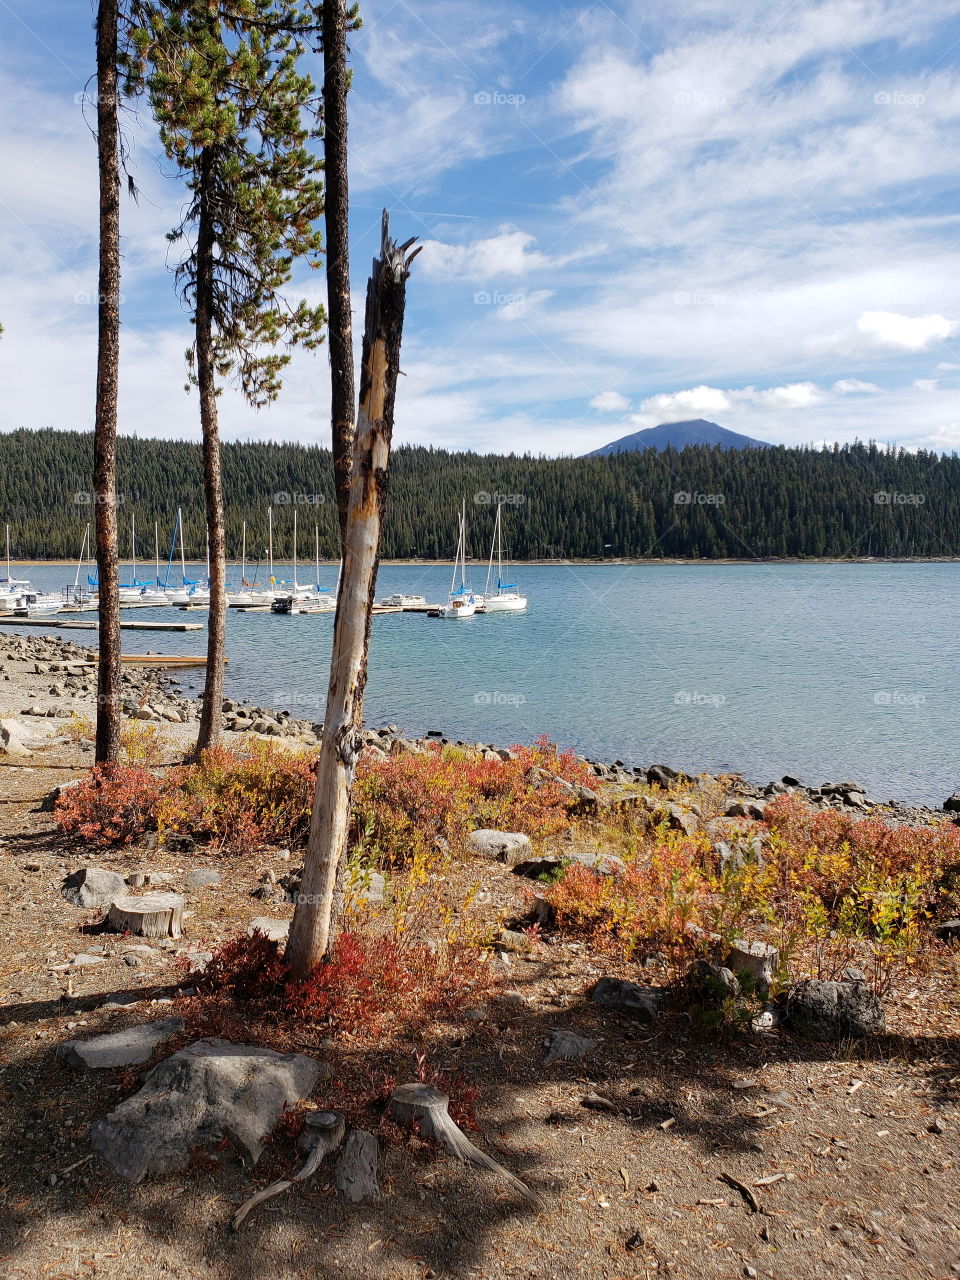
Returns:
(701, 502)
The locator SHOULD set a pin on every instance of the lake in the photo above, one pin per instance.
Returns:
(826, 671)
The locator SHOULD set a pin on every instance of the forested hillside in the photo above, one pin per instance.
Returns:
(702, 502)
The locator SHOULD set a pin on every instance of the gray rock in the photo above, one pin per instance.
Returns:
(93, 887)
(84, 960)
(49, 802)
(604, 864)
(746, 809)
(206, 1092)
(712, 983)
(201, 877)
(126, 1048)
(833, 1010)
(564, 1044)
(618, 993)
(952, 803)
(662, 775)
(275, 929)
(949, 931)
(504, 846)
(758, 959)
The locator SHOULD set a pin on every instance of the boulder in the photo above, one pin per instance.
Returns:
(746, 809)
(604, 864)
(49, 802)
(202, 877)
(952, 803)
(209, 1091)
(13, 738)
(502, 846)
(948, 931)
(276, 930)
(126, 1048)
(712, 983)
(565, 1044)
(833, 1010)
(662, 775)
(618, 993)
(93, 887)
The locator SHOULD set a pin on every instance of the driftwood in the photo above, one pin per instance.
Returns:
(156, 915)
(324, 1134)
(356, 1173)
(422, 1107)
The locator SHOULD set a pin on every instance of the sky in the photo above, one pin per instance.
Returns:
(631, 213)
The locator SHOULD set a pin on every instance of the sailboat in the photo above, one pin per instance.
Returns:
(462, 603)
(77, 598)
(304, 598)
(192, 592)
(131, 593)
(506, 598)
(11, 587)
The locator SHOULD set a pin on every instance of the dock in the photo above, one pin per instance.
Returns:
(91, 624)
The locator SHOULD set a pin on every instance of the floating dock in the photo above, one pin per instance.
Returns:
(91, 624)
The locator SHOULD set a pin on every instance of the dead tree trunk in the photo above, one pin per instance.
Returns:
(108, 362)
(211, 715)
(337, 226)
(312, 930)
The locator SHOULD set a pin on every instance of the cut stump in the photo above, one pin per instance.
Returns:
(421, 1107)
(156, 915)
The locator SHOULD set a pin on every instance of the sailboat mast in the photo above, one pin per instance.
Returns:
(493, 543)
(133, 548)
(156, 548)
(456, 557)
(270, 527)
(8, 555)
(183, 554)
(243, 556)
(294, 548)
(316, 547)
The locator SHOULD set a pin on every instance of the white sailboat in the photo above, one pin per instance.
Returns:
(462, 603)
(11, 587)
(303, 598)
(506, 598)
(193, 591)
(78, 598)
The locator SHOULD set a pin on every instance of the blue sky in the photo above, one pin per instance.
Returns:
(632, 213)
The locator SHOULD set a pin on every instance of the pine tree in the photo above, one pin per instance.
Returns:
(233, 108)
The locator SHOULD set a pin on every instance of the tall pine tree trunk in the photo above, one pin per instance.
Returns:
(108, 362)
(337, 226)
(314, 919)
(211, 716)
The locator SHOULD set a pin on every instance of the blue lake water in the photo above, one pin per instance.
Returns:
(828, 672)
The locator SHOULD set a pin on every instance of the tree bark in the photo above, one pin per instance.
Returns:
(337, 225)
(312, 929)
(211, 716)
(109, 674)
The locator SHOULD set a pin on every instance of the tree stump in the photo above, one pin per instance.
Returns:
(424, 1108)
(155, 915)
(356, 1174)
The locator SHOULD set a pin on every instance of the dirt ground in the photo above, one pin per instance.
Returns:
(850, 1152)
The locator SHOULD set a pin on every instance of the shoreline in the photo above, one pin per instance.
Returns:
(49, 679)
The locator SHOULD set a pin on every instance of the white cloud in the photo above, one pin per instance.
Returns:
(685, 404)
(927, 384)
(508, 253)
(909, 333)
(854, 386)
(610, 402)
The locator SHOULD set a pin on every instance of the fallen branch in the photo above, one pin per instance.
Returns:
(329, 1134)
(423, 1107)
(744, 1190)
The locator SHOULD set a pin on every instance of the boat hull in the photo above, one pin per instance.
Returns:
(503, 604)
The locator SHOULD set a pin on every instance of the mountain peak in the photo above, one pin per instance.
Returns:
(678, 435)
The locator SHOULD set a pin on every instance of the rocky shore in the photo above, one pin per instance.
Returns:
(53, 679)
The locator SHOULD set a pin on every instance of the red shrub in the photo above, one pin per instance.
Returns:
(114, 805)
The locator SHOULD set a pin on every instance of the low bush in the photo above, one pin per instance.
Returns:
(373, 985)
(112, 806)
